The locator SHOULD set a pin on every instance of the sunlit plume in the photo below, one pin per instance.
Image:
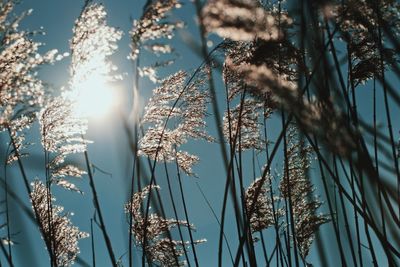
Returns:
(92, 72)
(57, 229)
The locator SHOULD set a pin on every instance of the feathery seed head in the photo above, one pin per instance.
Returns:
(56, 226)
(159, 249)
(241, 20)
(152, 26)
(174, 113)
(296, 185)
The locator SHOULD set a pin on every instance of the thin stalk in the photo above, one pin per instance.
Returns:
(276, 226)
(216, 218)
(289, 198)
(355, 121)
(135, 170)
(186, 213)
(376, 158)
(230, 181)
(264, 249)
(171, 195)
(246, 219)
(335, 226)
(236, 205)
(99, 212)
(130, 237)
(28, 189)
(239, 166)
(356, 223)
(52, 239)
(287, 233)
(92, 243)
(9, 256)
(346, 221)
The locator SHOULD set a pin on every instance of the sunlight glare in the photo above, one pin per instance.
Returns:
(95, 99)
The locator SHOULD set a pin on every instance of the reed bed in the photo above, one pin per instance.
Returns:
(293, 107)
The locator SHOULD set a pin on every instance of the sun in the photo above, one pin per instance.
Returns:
(95, 97)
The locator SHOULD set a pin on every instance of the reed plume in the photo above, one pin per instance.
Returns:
(22, 90)
(62, 134)
(160, 249)
(56, 225)
(175, 113)
(149, 31)
(263, 215)
(92, 44)
(295, 185)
